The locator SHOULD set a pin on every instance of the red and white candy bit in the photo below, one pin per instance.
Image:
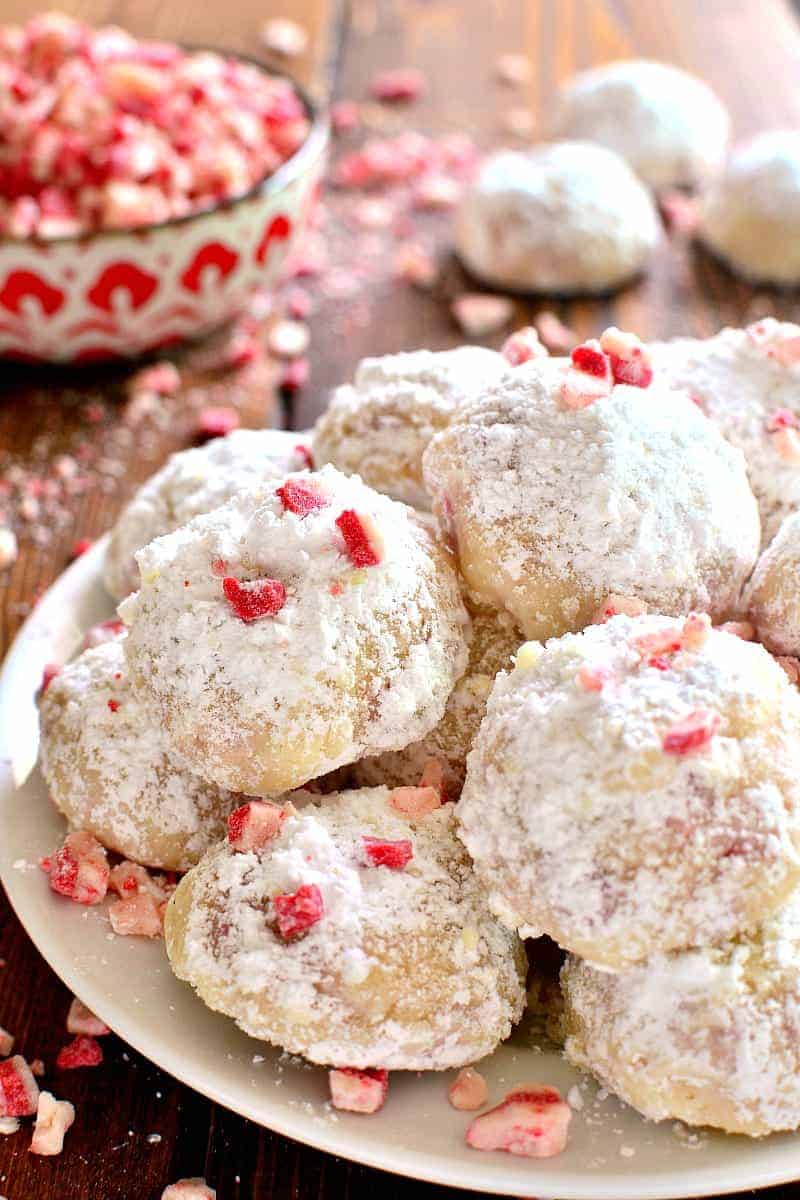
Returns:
(53, 1119)
(433, 776)
(694, 732)
(254, 825)
(630, 359)
(288, 339)
(400, 85)
(478, 314)
(740, 629)
(655, 648)
(295, 375)
(129, 878)
(82, 1051)
(80, 547)
(415, 265)
(593, 677)
(415, 802)
(588, 377)
(6, 1043)
(139, 915)
(436, 193)
(532, 1121)
(81, 1020)
(790, 665)
(362, 539)
(619, 606)
(696, 629)
(679, 212)
(285, 37)
(19, 1091)
(49, 672)
(254, 599)
(79, 870)
(787, 444)
(106, 631)
(302, 496)
(9, 549)
(358, 1091)
(216, 422)
(381, 853)
(304, 451)
(781, 418)
(189, 1189)
(163, 378)
(296, 912)
(556, 336)
(468, 1091)
(522, 346)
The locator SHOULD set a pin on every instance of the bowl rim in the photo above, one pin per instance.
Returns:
(314, 144)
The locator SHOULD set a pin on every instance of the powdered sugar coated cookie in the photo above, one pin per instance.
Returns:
(772, 596)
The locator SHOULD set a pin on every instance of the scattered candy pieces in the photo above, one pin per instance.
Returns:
(694, 732)
(479, 314)
(588, 377)
(189, 1189)
(696, 629)
(615, 605)
(253, 825)
(80, 548)
(288, 339)
(285, 37)
(593, 678)
(629, 357)
(394, 855)
(254, 599)
(522, 346)
(468, 1091)
(362, 539)
(556, 336)
(399, 86)
(6, 1043)
(129, 878)
(79, 869)
(49, 672)
(19, 1091)
(81, 1020)
(414, 265)
(83, 1051)
(53, 1119)
(532, 1121)
(415, 802)
(139, 915)
(216, 422)
(302, 496)
(9, 550)
(296, 912)
(358, 1091)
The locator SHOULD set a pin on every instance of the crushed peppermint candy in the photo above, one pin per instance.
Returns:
(588, 377)
(532, 1121)
(360, 1091)
(401, 85)
(82, 1051)
(253, 826)
(479, 314)
(19, 1091)
(415, 802)
(81, 1020)
(630, 359)
(283, 36)
(254, 599)
(79, 869)
(139, 915)
(362, 539)
(694, 732)
(522, 346)
(189, 1189)
(382, 853)
(296, 912)
(468, 1091)
(302, 496)
(53, 1119)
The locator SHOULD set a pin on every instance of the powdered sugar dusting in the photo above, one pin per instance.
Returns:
(711, 837)
(380, 426)
(772, 597)
(406, 969)
(356, 661)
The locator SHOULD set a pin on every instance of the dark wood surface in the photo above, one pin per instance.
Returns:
(748, 49)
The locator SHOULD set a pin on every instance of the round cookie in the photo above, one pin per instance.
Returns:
(708, 1036)
(111, 773)
(552, 506)
(493, 639)
(772, 597)
(562, 218)
(635, 788)
(750, 215)
(196, 481)
(386, 966)
(747, 381)
(380, 426)
(296, 629)
(668, 125)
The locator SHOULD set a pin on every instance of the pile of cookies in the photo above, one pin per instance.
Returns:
(486, 657)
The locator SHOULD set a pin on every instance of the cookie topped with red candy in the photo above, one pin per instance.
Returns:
(634, 789)
(574, 478)
(299, 627)
(350, 932)
(747, 381)
(194, 481)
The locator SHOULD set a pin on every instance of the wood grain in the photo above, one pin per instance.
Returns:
(750, 51)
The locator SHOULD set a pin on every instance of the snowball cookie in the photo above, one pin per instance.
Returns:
(356, 937)
(563, 218)
(772, 597)
(296, 629)
(708, 1036)
(493, 639)
(379, 427)
(636, 788)
(110, 771)
(748, 382)
(668, 125)
(553, 507)
(750, 215)
(196, 481)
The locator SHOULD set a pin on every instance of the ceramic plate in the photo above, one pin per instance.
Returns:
(612, 1155)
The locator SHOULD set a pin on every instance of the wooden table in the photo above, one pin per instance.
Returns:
(748, 49)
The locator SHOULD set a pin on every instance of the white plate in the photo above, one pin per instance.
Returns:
(612, 1155)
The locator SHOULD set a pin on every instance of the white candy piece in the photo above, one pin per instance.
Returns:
(81, 1020)
(358, 1091)
(189, 1189)
(750, 215)
(53, 1119)
(668, 125)
(563, 218)
(532, 1121)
